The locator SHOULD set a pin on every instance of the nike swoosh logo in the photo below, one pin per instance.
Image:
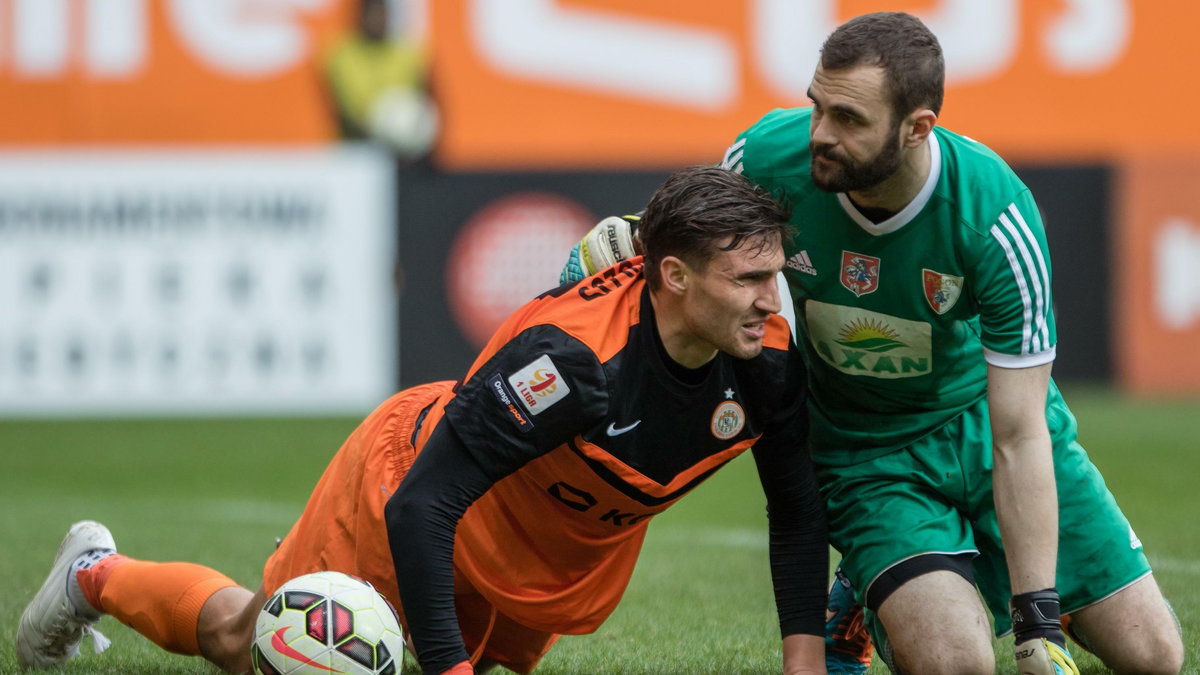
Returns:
(288, 651)
(614, 430)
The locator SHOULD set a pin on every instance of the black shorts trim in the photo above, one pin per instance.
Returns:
(906, 570)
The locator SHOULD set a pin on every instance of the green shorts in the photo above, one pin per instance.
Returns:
(935, 496)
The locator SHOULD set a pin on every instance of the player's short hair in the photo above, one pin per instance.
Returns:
(905, 48)
(701, 210)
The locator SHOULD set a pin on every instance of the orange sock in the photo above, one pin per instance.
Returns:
(159, 600)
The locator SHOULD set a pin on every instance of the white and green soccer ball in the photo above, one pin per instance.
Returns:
(327, 622)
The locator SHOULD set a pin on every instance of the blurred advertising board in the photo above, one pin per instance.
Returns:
(1157, 263)
(150, 71)
(474, 247)
(540, 84)
(1076, 207)
(624, 83)
(196, 282)
(153, 71)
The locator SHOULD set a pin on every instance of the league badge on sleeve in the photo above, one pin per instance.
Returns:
(860, 273)
(539, 385)
(941, 290)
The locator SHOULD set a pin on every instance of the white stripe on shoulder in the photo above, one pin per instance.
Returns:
(1021, 237)
(1043, 324)
(733, 156)
(1015, 265)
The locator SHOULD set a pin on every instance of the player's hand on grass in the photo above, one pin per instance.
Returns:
(1040, 647)
(612, 240)
(804, 654)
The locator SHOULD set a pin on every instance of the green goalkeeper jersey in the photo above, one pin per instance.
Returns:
(899, 319)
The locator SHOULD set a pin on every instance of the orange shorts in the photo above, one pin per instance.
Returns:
(343, 529)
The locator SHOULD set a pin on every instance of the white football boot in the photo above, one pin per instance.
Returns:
(52, 626)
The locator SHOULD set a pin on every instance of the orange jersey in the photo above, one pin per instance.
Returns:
(506, 509)
(573, 411)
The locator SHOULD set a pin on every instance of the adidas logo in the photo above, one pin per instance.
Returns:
(801, 262)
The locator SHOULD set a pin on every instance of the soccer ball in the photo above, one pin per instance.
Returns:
(327, 622)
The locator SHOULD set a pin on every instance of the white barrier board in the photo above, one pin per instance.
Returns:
(196, 282)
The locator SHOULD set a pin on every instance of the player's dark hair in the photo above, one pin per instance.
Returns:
(701, 210)
(905, 48)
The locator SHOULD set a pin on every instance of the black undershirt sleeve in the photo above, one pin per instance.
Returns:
(799, 542)
(421, 520)
(488, 431)
(799, 539)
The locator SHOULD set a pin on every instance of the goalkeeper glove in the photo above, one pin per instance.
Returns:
(1040, 646)
(609, 242)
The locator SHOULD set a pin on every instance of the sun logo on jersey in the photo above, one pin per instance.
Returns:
(860, 273)
(869, 335)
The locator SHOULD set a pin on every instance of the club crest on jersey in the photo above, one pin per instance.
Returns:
(728, 420)
(860, 273)
(539, 385)
(941, 290)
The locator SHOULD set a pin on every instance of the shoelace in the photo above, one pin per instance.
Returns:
(99, 641)
(67, 632)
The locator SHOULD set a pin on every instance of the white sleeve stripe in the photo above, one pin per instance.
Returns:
(733, 155)
(1024, 361)
(1041, 260)
(1016, 268)
(1036, 323)
(1041, 281)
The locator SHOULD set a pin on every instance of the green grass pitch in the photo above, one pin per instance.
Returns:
(219, 491)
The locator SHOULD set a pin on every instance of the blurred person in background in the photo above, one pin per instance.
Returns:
(377, 78)
(501, 511)
(946, 454)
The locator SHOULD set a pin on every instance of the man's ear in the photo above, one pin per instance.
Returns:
(675, 274)
(920, 125)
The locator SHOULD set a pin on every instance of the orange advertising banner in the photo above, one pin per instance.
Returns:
(111, 72)
(588, 83)
(622, 82)
(1157, 301)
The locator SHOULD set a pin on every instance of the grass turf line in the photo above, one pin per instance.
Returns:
(218, 492)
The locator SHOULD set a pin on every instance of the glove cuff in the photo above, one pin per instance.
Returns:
(1036, 615)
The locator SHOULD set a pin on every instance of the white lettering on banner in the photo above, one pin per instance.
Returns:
(643, 59)
(196, 282)
(115, 43)
(979, 39)
(603, 51)
(245, 37)
(39, 32)
(787, 35)
(1176, 265)
(540, 40)
(114, 37)
(1090, 36)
